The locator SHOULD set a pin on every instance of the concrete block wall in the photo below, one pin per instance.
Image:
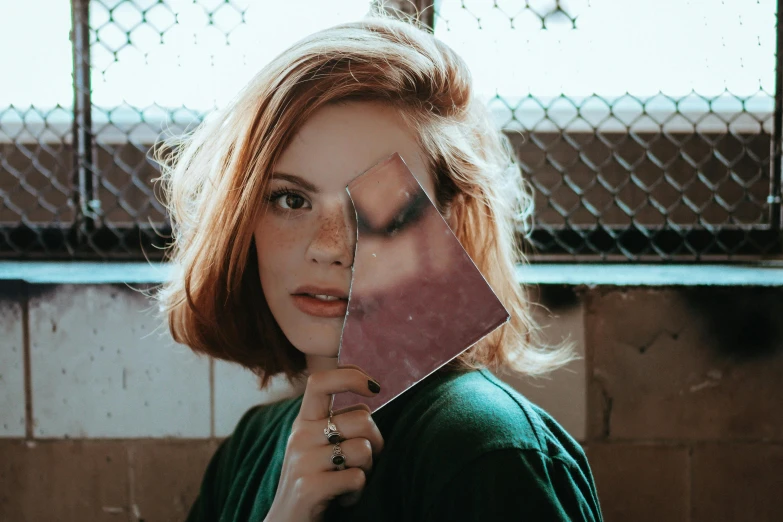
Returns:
(677, 402)
(101, 413)
(685, 403)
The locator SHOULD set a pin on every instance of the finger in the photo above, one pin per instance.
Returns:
(352, 425)
(360, 406)
(352, 366)
(321, 385)
(356, 452)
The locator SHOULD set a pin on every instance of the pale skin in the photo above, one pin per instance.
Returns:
(307, 236)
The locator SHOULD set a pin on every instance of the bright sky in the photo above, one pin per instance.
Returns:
(639, 46)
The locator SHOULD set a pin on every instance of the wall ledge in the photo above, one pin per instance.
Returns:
(759, 274)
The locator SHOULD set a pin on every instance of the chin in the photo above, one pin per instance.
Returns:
(320, 350)
(322, 341)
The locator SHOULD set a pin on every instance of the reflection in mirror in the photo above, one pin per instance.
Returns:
(417, 300)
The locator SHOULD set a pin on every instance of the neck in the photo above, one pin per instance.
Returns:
(317, 363)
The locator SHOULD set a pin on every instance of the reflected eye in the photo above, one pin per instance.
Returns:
(397, 224)
(406, 217)
(287, 200)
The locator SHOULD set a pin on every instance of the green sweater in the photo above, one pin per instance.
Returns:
(457, 447)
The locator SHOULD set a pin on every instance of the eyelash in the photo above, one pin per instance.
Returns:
(401, 221)
(407, 218)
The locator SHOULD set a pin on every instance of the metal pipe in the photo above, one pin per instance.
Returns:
(775, 173)
(83, 167)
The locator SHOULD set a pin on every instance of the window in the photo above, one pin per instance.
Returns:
(644, 127)
(647, 129)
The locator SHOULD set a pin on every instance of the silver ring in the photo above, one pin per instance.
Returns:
(331, 433)
(338, 457)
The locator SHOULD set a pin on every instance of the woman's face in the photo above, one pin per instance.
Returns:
(306, 236)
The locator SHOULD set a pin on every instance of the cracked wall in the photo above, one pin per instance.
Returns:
(677, 401)
(685, 393)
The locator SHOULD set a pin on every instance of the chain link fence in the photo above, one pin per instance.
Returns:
(686, 176)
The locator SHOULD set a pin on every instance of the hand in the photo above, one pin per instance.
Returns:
(309, 480)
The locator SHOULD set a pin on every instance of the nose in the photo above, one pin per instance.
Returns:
(335, 236)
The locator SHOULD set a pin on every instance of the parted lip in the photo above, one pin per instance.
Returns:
(320, 290)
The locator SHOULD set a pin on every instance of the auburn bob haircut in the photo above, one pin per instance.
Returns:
(214, 178)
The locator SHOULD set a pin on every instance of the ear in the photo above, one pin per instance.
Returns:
(454, 211)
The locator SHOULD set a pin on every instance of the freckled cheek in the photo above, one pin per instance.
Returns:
(279, 246)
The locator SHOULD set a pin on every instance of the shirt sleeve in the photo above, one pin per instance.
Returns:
(514, 484)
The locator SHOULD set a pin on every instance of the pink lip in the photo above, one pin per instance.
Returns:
(315, 307)
(318, 308)
(320, 290)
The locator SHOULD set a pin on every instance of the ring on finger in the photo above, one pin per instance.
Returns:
(332, 435)
(338, 457)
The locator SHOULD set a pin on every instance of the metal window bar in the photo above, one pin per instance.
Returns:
(83, 167)
(100, 166)
(776, 174)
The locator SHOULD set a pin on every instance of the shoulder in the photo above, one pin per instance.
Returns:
(258, 425)
(262, 415)
(256, 438)
(261, 427)
(474, 423)
(469, 432)
(480, 410)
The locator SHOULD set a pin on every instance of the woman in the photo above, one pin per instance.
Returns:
(262, 253)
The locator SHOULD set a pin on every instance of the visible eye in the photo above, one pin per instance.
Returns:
(287, 200)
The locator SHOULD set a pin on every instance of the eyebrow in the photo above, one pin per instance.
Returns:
(295, 180)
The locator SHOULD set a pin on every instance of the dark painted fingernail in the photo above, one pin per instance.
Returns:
(373, 386)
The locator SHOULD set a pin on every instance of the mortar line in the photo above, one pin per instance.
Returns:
(27, 365)
(132, 509)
